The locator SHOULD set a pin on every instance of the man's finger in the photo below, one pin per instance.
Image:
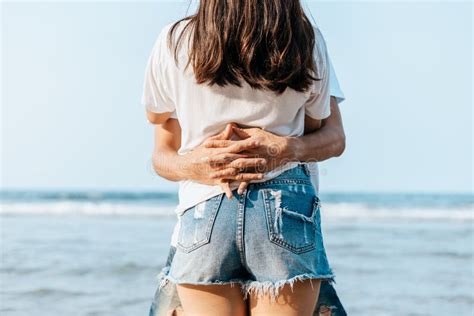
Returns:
(217, 143)
(246, 132)
(232, 146)
(233, 174)
(242, 187)
(223, 159)
(240, 132)
(225, 134)
(241, 145)
(224, 173)
(246, 177)
(243, 163)
(226, 188)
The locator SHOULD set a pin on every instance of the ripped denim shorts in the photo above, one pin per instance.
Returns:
(266, 238)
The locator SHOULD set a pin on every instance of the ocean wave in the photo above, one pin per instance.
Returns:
(329, 211)
(49, 291)
(356, 211)
(88, 196)
(86, 208)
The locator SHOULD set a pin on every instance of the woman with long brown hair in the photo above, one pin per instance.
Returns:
(255, 64)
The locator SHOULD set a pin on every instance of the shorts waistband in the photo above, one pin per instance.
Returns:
(299, 174)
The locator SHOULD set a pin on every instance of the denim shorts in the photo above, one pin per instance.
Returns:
(262, 240)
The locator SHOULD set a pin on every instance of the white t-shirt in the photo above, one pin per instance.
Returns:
(204, 110)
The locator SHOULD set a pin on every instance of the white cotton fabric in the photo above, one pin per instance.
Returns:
(204, 110)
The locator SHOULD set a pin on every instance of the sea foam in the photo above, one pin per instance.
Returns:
(330, 211)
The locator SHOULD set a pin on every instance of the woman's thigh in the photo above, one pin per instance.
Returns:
(297, 301)
(212, 300)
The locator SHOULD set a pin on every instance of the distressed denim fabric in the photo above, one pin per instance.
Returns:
(166, 301)
(266, 238)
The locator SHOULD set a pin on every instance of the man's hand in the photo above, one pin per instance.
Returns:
(220, 159)
(211, 164)
(319, 145)
(277, 150)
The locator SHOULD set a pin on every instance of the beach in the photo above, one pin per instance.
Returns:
(96, 253)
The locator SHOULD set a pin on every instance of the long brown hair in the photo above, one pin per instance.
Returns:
(267, 43)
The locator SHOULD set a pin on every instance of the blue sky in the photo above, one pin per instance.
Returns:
(72, 75)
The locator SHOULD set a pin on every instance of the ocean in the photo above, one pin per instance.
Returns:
(98, 253)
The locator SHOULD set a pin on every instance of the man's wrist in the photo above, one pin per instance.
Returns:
(292, 148)
(186, 167)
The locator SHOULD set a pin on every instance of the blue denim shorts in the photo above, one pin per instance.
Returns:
(262, 240)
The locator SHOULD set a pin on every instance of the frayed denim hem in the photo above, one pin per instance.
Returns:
(167, 279)
(272, 289)
(257, 288)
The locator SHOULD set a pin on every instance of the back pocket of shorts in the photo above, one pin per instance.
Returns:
(291, 218)
(196, 224)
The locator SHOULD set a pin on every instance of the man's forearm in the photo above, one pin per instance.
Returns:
(324, 143)
(169, 165)
(165, 159)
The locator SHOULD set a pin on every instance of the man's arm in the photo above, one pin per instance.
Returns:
(317, 144)
(322, 144)
(166, 161)
(327, 142)
(196, 165)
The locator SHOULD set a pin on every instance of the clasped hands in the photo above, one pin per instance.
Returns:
(220, 160)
